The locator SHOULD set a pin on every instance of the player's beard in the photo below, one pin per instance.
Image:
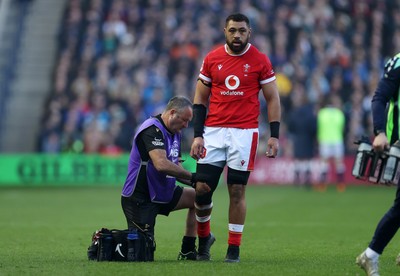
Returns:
(237, 49)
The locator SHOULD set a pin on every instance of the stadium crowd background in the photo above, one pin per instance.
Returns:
(120, 61)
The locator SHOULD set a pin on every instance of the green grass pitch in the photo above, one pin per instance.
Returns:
(288, 231)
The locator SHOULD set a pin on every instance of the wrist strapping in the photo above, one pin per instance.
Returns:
(274, 128)
(199, 117)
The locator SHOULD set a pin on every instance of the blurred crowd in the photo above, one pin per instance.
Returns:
(120, 61)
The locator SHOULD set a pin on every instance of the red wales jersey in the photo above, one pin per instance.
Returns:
(236, 82)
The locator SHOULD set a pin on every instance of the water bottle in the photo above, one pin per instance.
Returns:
(362, 158)
(133, 239)
(391, 168)
(377, 167)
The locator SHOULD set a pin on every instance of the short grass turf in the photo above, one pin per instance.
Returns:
(288, 231)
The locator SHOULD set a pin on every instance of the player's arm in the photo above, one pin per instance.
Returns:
(202, 93)
(271, 95)
(200, 103)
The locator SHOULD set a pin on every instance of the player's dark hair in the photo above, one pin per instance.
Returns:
(178, 103)
(237, 17)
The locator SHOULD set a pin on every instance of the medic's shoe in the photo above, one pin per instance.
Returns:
(191, 255)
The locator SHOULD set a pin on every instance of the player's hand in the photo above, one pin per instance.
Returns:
(272, 147)
(202, 188)
(380, 142)
(197, 149)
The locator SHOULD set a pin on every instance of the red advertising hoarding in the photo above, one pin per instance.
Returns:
(281, 171)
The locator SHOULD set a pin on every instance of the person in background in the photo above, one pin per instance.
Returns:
(154, 166)
(386, 130)
(330, 135)
(302, 126)
(228, 86)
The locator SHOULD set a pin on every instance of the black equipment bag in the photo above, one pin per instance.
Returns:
(121, 245)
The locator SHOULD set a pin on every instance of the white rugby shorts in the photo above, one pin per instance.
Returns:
(335, 150)
(237, 147)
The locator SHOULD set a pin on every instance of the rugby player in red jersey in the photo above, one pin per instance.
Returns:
(226, 109)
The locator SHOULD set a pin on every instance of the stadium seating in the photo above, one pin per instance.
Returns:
(117, 62)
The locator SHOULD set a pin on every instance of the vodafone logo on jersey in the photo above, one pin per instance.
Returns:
(232, 82)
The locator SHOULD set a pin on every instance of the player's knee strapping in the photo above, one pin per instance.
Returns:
(203, 208)
(209, 174)
(237, 177)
